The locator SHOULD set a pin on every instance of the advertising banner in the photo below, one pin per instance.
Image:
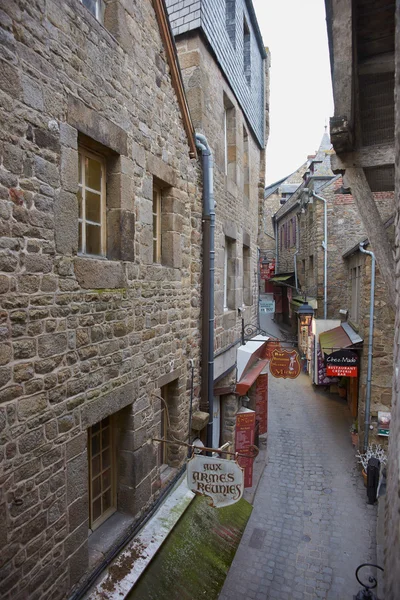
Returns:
(244, 439)
(262, 402)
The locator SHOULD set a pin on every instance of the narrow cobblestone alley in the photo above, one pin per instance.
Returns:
(311, 526)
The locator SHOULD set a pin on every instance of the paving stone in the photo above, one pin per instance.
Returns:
(310, 487)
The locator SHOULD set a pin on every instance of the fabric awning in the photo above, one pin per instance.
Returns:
(278, 278)
(249, 377)
(334, 339)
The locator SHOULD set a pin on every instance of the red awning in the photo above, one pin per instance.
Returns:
(249, 377)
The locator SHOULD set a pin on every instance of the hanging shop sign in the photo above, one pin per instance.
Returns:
(270, 346)
(342, 363)
(384, 419)
(267, 305)
(244, 441)
(262, 402)
(285, 364)
(220, 479)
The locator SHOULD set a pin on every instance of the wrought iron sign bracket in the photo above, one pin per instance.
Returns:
(248, 331)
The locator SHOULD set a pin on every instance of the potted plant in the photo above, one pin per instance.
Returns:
(354, 434)
(373, 451)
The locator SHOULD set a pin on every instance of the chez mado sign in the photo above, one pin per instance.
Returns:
(343, 363)
(220, 479)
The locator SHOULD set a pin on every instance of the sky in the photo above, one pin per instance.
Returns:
(301, 90)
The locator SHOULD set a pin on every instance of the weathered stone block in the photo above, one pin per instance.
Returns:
(52, 344)
(34, 405)
(199, 420)
(99, 274)
(69, 170)
(77, 474)
(66, 222)
(96, 126)
(30, 441)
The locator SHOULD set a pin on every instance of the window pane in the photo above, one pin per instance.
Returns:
(107, 479)
(80, 167)
(106, 500)
(80, 249)
(105, 437)
(93, 204)
(155, 257)
(80, 202)
(93, 239)
(96, 428)
(96, 509)
(95, 445)
(96, 487)
(90, 5)
(93, 174)
(96, 465)
(105, 459)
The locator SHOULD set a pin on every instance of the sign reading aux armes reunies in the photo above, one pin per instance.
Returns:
(220, 479)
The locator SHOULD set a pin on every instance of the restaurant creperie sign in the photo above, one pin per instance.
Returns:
(220, 479)
(342, 363)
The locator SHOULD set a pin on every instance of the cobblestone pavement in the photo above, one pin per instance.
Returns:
(311, 526)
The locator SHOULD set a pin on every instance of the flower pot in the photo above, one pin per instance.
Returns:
(354, 439)
(364, 474)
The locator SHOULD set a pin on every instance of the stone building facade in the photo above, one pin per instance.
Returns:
(226, 73)
(300, 227)
(100, 282)
(357, 299)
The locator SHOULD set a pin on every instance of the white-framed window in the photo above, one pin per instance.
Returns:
(92, 203)
(102, 472)
(156, 224)
(96, 7)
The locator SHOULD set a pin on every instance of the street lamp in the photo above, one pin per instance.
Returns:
(306, 313)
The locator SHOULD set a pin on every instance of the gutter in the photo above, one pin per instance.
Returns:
(207, 350)
(370, 346)
(325, 247)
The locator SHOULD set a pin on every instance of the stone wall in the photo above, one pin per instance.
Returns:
(86, 338)
(392, 520)
(382, 361)
(236, 214)
(210, 15)
(345, 230)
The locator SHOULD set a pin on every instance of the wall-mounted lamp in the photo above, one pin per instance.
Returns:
(306, 313)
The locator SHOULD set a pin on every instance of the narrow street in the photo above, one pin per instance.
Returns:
(311, 526)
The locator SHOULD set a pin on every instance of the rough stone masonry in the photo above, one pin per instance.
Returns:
(86, 338)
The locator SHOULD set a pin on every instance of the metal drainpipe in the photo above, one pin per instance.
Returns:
(325, 247)
(370, 345)
(208, 280)
(295, 270)
(276, 247)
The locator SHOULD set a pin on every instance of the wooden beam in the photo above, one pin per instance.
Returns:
(342, 46)
(382, 63)
(376, 231)
(176, 76)
(366, 157)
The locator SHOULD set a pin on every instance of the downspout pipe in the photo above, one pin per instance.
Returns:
(370, 346)
(276, 246)
(207, 391)
(325, 247)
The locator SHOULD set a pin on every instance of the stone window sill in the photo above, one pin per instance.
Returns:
(94, 273)
(107, 536)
